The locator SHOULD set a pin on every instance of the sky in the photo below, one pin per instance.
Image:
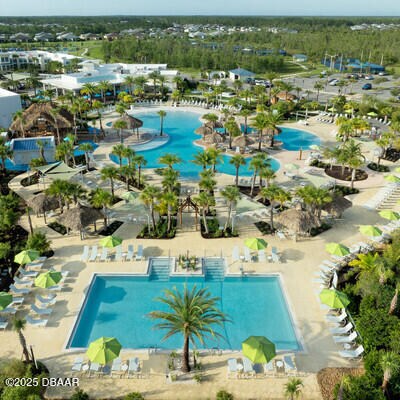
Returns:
(199, 7)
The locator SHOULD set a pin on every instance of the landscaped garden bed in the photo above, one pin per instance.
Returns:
(345, 190)
(160, 231)
(379, 168)
(318, 164)
(344, 174)
(110, 228)
(264, 227)
(61, 229)
(214, 231)
(320, 229)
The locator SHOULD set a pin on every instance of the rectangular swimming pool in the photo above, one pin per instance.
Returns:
(117, 305)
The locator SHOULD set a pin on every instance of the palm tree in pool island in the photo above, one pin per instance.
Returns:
(162, 114)
(193, 314)
(237, 161)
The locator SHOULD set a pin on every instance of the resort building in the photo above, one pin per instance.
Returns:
(25, 149)
(10, 103)
(300, 58)
(240, 74)
(93, 72)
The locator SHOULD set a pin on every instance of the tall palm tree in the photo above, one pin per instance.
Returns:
(119, 151)
(162, 114)
(169, 159)
(260, 123)
(104, 87)
(5, 152)
(259, 161)
(86, 148)
(204, 200)
(215, 156)
(271, 193)
(88, 89)
(128, 172)
(193, 314)
(18, 326)
(267, 173)
(245, 113)
(129, 154)
(111, 173)
(231, 194)
(293, 388)
(101, 198)
(98, 105)
(212, 118)
(57, 189)
(318, 86)
(170, 179)
(120, 125)
(237, 161)
(41, 144)
(129, 82)
(394, 301)
(354, 157)
(154, 76)
(202, 158)
(170, 199)
(390, 364)
(273, 119)
(149, 196)
(233, 129)
(140, 162)
(208, 184)
(20, 117)
(314, 198)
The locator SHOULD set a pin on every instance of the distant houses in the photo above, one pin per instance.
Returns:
(353, 65)
(240, 74)
(299, 58)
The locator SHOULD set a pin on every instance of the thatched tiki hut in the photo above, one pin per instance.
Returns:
(78, 218)
(42, 203)
(204, 131)
(337, 206)
(214, 138)
(242, 141)
(297, 222)
(131, 122)
(43, 119)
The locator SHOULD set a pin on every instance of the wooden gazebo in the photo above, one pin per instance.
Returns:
(188, 205)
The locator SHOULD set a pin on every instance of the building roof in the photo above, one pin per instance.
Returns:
(30, 144)
(242, 72)
(7, 93)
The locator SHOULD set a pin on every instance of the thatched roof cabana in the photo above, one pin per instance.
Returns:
(80, 217)
(203, 130)
(297, 221)
(131, 122)
(337, 206)
(214, 138)
(242, 141)
(42, 203)
(38, 120)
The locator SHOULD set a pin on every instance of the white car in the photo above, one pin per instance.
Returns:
(333, 82)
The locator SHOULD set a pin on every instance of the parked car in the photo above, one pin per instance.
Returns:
(369, 77)
(333, 82)
(382, 73)
(367, 86)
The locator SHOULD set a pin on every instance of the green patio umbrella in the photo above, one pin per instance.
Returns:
(333, 298)
(26, 256)
(103, 350)
(5, 300)
(255, 243)
(372, 114)
(110, 241)
(349, 111)
(258, 349)
(337, 249)
(291, 166)
(392, 178)
(369, 230)
(130, 196)
(390, 215)
(48, 279)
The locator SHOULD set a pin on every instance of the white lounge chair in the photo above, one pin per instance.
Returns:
(77, 365)
(269, 368)
(232, 367)
(247, 255)
(56, 288)
(85, 253)
(139, 254)
(17, 301)
(27, 274)
(130, 253)
(23, 282)
(280, 235)
(94, 367)
(9, 310)
(118, 253)
(134, 366)
(116, 366)
(337, 318)
(342, 330)
(261, 256)
(46, 301)
(235, 254)
(36, 322)
(16, 290)
(290, 365)
(352, 353)
(248, 367)
(93, 254)
(3, 324)
(104, 254)
(345, 339)
(41, 311)
(274, 255)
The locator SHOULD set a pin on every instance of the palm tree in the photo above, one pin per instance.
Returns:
(267, 173)
(260, 122)
(169, 159)
(140, 162)
(204, 200)
(259, 161)
(233, 129)
(57, 189)
(129, 154)
(162, 114)
(212, 118)
(215, 156)
(237, 161)
(271, 193)
(5, 152)
(18, 326)
(100, 198)
(129, 81)
(202, 158)
(97, 105)
(231, 194)
(394, 301)
(390, 364)
(293, 388)
(41, 144)
(170, 179)
(192, 314)
(318, 85)
(111, 173)
(88, 89)
(149, 196)
(154, 76)
(245, 113)
(86, 148)
(128, 172)
(207, 183)
(273, 119)
(170, 199)
(120, 124)
(353, 157)
(20, 117)
(104, 86)
(119, 151)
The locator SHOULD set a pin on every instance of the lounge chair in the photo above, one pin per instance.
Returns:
(104, 254)
(116, 366)
(36, 322)
(261, 256)
(269, 368)
(77, 365)
(27, 274)
(247, 255)
(118, 253)
(134, 366)
(139, 254)
(280, 235)
(23, 282)
(248, 367)
(274, 255)
(41, 311)
(337, 318)
(93, 254)
(235, 254)
(46, 301)
(56, 288)
(342, 330)
(3, 324)
(130, 253)
(94, 367)
(346, 339)
(85, 253)
(17, 301)
(232, 367)
(352, 353)
(16, 290)
(9, 310)
(290, 366)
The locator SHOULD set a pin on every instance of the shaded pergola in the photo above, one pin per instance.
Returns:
(78, 218)
(188, 205)
(58, 170)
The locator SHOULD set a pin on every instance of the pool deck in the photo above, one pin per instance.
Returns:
(300, 261)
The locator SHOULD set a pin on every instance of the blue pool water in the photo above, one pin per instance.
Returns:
(117, 306)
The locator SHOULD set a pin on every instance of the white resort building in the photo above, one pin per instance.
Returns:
(9, 103)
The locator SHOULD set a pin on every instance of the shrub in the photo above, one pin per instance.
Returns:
(345, 190)
(134, 396)
(380, 168)
(61, 229)
(361, 387)
(80, 395)
(38, 241)
(224, 395)
(318, 164)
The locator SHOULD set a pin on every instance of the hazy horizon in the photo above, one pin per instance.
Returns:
(312, 8)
